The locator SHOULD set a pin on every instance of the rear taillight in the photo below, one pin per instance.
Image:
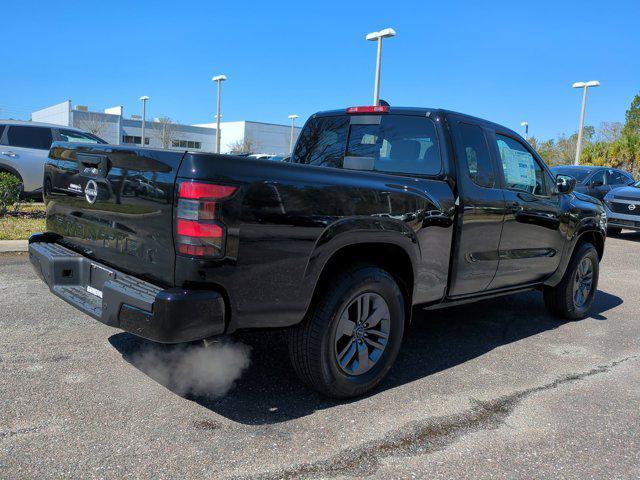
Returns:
(369, 109)
(199, 233)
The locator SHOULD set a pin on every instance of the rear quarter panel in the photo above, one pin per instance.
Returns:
(287, 220)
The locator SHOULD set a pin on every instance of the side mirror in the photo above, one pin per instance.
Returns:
(565, 183)
(597, 183)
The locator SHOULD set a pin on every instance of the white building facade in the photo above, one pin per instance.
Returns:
(255, 137)
(114, 128)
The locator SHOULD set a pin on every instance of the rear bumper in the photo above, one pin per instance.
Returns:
(172, 315)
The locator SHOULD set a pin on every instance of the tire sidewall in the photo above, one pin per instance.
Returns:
(366, 280)
(586, 250)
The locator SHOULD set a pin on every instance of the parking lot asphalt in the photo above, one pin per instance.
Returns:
(496, 389)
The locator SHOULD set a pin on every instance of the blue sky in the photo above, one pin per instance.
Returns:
(506, 61)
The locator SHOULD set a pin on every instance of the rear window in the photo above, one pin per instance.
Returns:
(29, 137)
(400, 144)
(403, 144)
(578, 173)
(78, 137)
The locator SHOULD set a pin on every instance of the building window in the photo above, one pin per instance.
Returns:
(186, 144)
(133, 140)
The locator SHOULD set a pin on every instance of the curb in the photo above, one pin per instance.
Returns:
(9, 246)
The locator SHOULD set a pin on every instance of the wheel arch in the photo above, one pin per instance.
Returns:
(389, 256)
(588, 235)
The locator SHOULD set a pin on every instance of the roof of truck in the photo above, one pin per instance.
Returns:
(421, 111)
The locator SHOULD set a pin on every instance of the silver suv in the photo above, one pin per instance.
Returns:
(24, 147)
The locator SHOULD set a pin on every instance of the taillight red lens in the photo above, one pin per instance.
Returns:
(197, 190)
(199, 231)
(369, 109)
(190, 228)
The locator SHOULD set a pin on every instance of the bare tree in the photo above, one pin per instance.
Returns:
(92, 122)
(165, 130)
(610, 131)
(244, 145)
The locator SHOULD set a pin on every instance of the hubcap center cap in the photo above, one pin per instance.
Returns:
(358, 332)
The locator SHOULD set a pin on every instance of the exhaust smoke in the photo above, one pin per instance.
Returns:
(194, 369)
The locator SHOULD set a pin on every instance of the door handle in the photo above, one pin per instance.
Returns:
(9, 153)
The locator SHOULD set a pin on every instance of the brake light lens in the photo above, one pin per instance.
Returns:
(198, 190)
(368, 109)
(199, 231)
(190, 228)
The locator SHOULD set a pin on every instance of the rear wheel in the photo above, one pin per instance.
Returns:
(351, 337)
(573, 296)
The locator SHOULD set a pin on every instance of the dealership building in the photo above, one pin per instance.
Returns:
(112, 126)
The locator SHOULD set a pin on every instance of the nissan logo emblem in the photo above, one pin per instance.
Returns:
(632, 207)
(91, 191)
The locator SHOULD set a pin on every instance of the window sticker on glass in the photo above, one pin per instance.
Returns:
(519, 167)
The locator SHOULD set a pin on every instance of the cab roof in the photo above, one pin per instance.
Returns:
(432, 112)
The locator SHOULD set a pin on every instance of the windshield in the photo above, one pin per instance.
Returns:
(578, 173)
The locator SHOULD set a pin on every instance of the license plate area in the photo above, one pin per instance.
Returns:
(98, 275)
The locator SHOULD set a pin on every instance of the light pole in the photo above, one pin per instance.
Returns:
(144, 117)
(526, 129)
(219, 79)
(378, 36)
(292, 117)
(584, 86)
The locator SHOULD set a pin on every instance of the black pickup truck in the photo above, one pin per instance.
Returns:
(382, 209)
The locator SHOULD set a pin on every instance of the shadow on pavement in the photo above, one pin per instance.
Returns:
(269, 391)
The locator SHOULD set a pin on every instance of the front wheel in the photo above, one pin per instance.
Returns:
(573, 296)
(351, 337)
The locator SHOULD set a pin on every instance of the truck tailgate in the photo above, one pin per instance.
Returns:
(115, 205)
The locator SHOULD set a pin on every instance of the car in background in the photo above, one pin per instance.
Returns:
(623, 208)
(595, 181)
(24, 147)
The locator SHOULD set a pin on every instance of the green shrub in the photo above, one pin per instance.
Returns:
(10, 187)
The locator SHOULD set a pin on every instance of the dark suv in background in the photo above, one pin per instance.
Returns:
(595, 181)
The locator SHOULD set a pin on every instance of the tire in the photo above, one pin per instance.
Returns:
(316, 344)
(562, 300)
(614, 231)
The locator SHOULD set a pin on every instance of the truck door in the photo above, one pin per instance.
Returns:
(481, 210)
(531, 242)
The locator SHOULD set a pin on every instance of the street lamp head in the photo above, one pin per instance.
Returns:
(219, 78)
(524, 124)
(293, 116)
(590, 83)
(144, 98)
(384, 33)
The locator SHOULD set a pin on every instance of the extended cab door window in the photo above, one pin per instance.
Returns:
(322, 142)
(477, 155)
